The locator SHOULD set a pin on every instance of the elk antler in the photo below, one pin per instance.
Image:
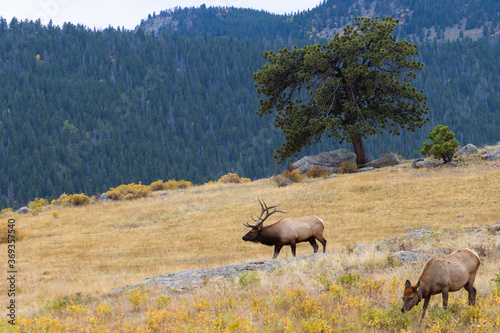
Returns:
(265, 210)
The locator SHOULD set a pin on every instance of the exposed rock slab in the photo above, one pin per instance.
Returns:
(492, 156)
(390, 159)
(330, 161)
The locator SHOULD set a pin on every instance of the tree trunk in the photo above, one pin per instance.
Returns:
(359, 150)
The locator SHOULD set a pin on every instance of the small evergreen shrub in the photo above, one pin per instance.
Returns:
(443, 144)
(233, 178)
(79, 199)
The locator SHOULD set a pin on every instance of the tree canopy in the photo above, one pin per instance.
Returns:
(356, 85)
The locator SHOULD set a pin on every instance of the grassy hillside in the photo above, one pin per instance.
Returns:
(72, 257)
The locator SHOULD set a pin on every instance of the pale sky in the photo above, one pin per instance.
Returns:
(127, 13)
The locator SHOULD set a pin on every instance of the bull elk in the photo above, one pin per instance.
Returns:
(441, 276)
(287, 231)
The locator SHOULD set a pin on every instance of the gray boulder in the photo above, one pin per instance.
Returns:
(330, 161)
(492, 156)
(385, 161)
(420, 163)
(23, 210)
(103, 198)
(466, 150)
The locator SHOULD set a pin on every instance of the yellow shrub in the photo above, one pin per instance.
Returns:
(348, 167)
(114, 195)
(129, 192)
(35, 207)
(233, 178)
(39, 201)
(79, 199)
(230, 178)
(287, 177)
(157, 185)
(4, 232)
(174, 184)
(317, 172)
(6, 211)
(63, 200)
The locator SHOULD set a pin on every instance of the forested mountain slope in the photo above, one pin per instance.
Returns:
(83, 110)
(421, 20)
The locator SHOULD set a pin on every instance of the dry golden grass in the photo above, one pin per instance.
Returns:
(94, 248)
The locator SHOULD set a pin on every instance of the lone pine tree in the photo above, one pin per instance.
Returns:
(356, 85)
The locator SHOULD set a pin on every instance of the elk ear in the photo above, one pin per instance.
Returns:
(417, 285)
(407, 284)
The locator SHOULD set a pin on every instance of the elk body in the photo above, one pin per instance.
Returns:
(287, 231)
(442, 276)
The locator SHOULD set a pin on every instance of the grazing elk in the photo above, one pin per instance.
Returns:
(287, 231)
(443, 275)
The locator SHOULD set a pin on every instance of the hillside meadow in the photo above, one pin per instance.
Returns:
(73, 256)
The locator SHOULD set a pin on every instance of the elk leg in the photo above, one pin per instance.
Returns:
(472, 297)
(323, 241)
(426, 304)
(294, 247)
(277, 249)
(445, 297)
(314, 244)
(472, 293)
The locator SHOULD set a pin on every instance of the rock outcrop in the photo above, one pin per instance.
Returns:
(385, 161)
(492, 156)
(468, 149)
(330, 161)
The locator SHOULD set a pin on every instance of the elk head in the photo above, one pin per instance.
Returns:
(412, 296)
(252, 235)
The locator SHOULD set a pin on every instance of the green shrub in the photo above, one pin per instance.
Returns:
(392, 319)
(348, 279)
(249, 278)
(496, 280)
(443, 144)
